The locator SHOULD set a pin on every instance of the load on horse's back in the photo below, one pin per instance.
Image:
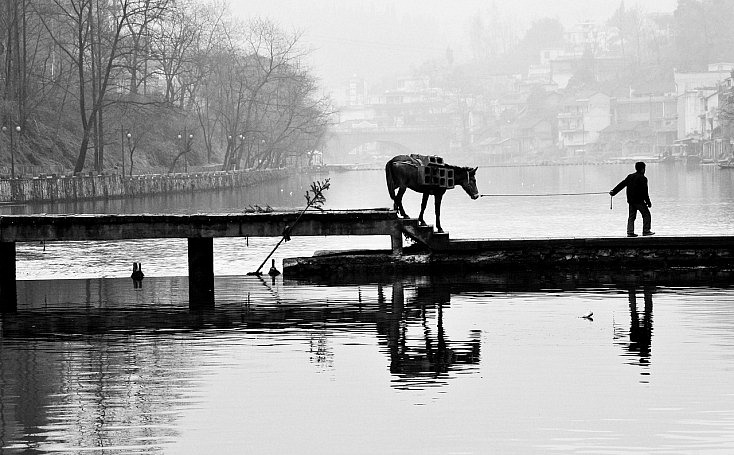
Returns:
(428, 175)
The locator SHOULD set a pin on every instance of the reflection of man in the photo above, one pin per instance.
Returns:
(641, 331)
(637, 198)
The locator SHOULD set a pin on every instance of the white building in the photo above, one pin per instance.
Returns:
(696, 101)
(581, 120)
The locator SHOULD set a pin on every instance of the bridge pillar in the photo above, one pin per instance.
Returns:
(8, 291)
(201, 273)
(396, 241)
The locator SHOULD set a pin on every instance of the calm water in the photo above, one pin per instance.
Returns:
(481, 363)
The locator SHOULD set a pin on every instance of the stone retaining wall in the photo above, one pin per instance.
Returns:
(64, 188)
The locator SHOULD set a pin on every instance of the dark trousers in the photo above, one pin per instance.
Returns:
(646, 218)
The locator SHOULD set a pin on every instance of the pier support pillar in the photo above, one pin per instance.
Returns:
(201, 273)
(8, 292)
(396, 241)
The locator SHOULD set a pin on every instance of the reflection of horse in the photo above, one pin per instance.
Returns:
(405, 171)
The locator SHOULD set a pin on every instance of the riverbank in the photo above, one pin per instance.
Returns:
(95, 186)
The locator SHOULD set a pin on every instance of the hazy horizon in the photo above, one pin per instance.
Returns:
(377, 38)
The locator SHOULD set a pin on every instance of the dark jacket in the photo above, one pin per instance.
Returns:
(636, 188)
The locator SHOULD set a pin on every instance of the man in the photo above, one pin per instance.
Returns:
(637, 198)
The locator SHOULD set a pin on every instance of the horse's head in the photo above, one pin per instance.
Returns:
(467, 179)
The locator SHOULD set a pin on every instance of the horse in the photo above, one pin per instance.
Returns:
(406, 171)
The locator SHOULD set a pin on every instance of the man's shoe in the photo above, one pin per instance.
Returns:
(631, 234)
(648, 233)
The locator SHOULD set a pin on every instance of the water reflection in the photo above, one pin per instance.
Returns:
(100, 365)
(637, 342)
(423, 360)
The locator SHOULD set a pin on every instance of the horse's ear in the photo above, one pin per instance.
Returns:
(475, 169)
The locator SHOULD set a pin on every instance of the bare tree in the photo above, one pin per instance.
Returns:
(14, 24)
(95, 52)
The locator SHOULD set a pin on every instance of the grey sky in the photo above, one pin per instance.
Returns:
(372, 38)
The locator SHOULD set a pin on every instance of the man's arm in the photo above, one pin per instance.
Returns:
(619, 187)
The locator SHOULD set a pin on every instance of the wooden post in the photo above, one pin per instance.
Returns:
(8, 292)
(201, 273)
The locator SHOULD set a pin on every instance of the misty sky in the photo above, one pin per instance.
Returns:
(376, 38)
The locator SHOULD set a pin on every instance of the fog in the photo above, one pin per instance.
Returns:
(381, 38)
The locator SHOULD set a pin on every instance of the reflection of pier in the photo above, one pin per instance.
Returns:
(117, 390)
(409, 325)
(435, 354)
(410, 319)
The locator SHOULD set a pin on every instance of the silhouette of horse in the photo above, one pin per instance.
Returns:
(406, 171)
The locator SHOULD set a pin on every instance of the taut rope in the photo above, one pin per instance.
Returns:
(540, 194)
(548, 194)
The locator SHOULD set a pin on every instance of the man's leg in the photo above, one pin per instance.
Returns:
(646, 218)
(631, 219)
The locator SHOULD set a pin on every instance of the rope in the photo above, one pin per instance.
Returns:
(550, 194)
(541, 195)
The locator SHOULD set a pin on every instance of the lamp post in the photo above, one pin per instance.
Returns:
(186, 154)
(184, 143)
(122, 150)
(179, 136)
(130, 151)
(230, 152)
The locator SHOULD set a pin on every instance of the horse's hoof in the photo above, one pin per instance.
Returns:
(439, 230)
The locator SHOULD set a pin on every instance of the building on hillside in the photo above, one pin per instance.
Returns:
(356, 92)
(696, 100)
(605, 68)
(626, 139)
(598, 38)
(580, 121)
(535, 135)
(658, 112)
(511, 104)
(540, 73)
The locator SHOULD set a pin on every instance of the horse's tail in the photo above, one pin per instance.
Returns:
(390, 180)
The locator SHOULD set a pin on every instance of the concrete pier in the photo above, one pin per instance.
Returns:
(8, 298)
(525, 254)
(201, 272)
(432, 253)
(199, 229)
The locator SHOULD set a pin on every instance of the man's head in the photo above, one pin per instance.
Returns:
(640, 167)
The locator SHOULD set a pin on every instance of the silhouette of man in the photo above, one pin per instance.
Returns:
(637, 198)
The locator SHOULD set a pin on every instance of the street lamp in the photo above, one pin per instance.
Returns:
(130, 151)
(186, 155)
(180, 148)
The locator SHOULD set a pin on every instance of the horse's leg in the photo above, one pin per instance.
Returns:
(424, 202)
(399, 202)
(437, 200)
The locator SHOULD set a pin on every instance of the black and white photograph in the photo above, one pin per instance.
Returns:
(336, 227)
